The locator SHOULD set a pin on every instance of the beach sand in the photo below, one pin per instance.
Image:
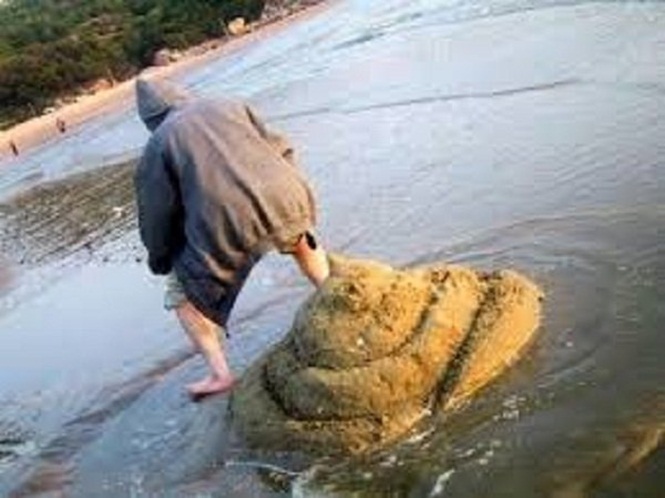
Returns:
(42, 129)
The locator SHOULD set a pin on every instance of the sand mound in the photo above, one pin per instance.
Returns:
(375, 349)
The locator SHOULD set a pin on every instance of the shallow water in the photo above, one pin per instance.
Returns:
(498, 134)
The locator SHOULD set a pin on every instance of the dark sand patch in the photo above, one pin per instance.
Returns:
(82, 211)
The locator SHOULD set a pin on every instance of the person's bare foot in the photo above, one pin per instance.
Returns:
(209, 386)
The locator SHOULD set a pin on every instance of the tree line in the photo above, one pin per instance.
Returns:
(51, 48)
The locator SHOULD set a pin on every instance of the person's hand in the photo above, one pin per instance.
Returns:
(312, 259)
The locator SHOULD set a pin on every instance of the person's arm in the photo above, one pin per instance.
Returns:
(278, 141)
(312, 259)
(308, 253)
(160, 211)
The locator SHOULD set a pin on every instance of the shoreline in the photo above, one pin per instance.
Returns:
(40, 130)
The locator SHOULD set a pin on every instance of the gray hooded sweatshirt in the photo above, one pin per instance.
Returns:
(215, 190)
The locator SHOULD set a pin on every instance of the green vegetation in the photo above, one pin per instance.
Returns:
(52, 48)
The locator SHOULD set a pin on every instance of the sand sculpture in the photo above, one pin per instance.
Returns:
(376, 349)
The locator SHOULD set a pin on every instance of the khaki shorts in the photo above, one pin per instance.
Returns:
(174, 297)
(174, 294)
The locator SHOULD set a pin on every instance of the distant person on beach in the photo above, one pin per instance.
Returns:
(61, 125)
(13, 147)
(216, 189)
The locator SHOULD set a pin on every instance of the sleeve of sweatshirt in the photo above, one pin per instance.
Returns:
(160, 213)
(278, 141)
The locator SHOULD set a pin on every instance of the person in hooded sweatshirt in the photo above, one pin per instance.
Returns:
(216, 189)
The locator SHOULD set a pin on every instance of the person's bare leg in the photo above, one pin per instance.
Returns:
(204, 335)
(312, 259)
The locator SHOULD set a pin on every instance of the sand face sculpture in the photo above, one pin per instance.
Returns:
(376, 349)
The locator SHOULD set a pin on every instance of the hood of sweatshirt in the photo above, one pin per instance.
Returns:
(155, 99)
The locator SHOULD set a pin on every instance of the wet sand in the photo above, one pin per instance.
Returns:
(375, 350)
